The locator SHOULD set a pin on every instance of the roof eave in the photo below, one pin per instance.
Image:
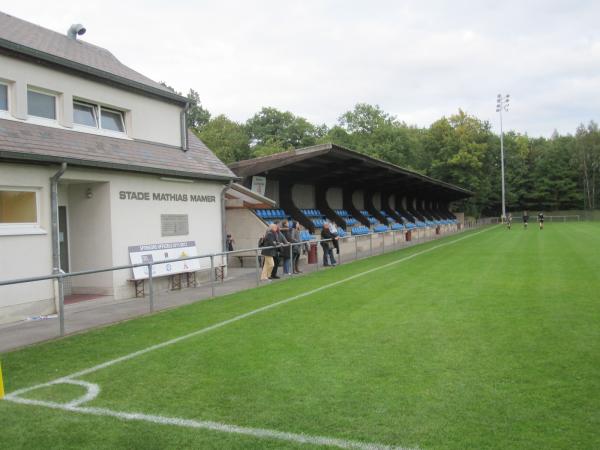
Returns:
(130, 84)
(35, 158)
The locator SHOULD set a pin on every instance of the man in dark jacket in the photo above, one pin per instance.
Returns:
(328, 245)
(269, 240)
(281, 240)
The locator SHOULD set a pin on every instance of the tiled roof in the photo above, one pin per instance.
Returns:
(28, 142)
(27, 36)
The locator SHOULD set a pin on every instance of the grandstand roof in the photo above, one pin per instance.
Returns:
(338, 166)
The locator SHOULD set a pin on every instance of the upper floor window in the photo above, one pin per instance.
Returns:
(3, 97)
(98, 116)
(41, 105)
(85, 114)
(112, 120)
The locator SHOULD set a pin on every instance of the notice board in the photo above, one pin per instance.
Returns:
(155, 253)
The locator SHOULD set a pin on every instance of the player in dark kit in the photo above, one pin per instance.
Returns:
(509, 221)
(525, 219)
(541, 220)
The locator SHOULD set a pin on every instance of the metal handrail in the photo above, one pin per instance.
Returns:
(61, 276)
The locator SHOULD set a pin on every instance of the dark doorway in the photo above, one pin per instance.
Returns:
(63, 238)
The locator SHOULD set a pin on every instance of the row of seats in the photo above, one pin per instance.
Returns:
(351, 221)
(271, 213)
(305, 235)
(311, 212)
(397, 226)
(341, 212)
(380, 228)
(360, 230)
(318, 222)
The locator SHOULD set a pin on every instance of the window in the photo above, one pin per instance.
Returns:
(3, 97)
(112, 120)
(174, 224)
(18, 207)
(41, 105)
(85, 114)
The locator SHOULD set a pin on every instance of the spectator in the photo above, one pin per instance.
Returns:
(297, 247)
(276, 258)
(269, 240)
(334, 232)
(229, 243)
(287, 250)
(327, 244)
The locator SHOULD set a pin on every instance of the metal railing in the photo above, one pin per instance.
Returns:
(396, 239)
(565, 218)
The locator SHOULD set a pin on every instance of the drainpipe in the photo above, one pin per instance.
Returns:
(223, 221)
(58, 285)
(184, 136)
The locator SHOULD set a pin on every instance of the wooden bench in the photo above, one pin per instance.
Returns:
(174, 282)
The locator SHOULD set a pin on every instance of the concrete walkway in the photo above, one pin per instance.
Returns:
(102, 311)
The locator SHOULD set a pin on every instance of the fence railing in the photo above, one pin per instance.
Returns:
(565, 218)
(386, 241)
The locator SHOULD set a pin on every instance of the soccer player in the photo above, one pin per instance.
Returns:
(525, 219)
(541, 220)
(509, 221)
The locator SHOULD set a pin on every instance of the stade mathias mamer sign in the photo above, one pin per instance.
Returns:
(166, 197)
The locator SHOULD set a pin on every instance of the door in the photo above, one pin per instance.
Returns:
(63, 238)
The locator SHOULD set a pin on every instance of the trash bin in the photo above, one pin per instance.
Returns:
(312, 253)
(408, 235)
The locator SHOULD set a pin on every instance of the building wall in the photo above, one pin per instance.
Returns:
(377, 201)
(100, 231)
(245, 228)
(272, 190)
(146, 118)
(335, 198)
(27, 255)
(358, 199)
(391, 202)
(303, 195)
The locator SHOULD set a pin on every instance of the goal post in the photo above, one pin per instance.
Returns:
(1, 383)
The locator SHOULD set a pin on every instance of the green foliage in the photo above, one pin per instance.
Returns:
(270, 127)
(228, 139)
(562, 172)
(197, 116)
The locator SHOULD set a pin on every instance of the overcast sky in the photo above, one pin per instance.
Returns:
(418, 60)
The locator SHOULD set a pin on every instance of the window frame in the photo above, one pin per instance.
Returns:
(114, 111)
(22, 228)
(95, 111)
(7, 87)
(49, 94)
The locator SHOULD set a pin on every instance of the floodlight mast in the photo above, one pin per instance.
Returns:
(502, 103)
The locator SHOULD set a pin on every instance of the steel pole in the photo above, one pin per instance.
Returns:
(502, 161)
(257, 268)
(150, 289)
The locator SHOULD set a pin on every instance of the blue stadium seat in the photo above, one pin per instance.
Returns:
(380, 228)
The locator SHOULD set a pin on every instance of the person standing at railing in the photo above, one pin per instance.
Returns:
(281, 241)
(269, 241)
(287, 250)
(334, 232)
(295, 228)
(327, 244)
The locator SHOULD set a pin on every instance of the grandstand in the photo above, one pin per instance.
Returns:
(358, 193)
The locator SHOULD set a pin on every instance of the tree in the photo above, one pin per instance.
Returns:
(587, 145)
(197, 116)
(226, 138)
(271, 125)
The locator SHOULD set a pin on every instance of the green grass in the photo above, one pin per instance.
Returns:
(493, 342)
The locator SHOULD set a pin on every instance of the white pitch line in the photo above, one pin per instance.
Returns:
(93, 389)
(262, 433)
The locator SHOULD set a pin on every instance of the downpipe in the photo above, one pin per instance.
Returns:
(58, 283)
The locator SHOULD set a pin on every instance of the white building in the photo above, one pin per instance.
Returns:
(134, 174)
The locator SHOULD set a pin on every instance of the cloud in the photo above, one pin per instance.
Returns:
(417, 60)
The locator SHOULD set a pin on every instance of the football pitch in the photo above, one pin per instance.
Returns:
(488, 339)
